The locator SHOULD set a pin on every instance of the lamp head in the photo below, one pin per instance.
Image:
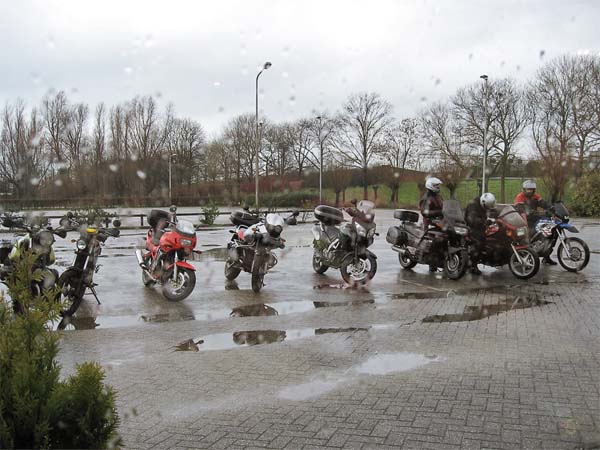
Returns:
(484, 77)
(267, 65)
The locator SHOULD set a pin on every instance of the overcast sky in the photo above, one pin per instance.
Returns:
(203, 56)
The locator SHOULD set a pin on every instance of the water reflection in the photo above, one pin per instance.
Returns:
(257, 310)
(231, 285)
(257, 337)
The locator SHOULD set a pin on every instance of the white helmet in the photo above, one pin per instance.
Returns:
(529, 184)
(488, 200)
(433, 184)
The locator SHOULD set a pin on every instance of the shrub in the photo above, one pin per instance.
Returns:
(586, 197)
(37, 410)
(210, 213)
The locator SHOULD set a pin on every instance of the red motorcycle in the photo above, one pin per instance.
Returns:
(169, 243)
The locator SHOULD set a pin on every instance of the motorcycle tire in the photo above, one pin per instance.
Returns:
(72, 295)
(531, 267)
(405, 261)
(580, 255)
(318, 265)
(257, 281)
(364, 274)
(455, 265)
(231, 272)
(186, 281)
(147, 279)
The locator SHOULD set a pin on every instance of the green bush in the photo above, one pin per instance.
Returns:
(210, 213)
(37, 410)
(585, 199)
(298, 199)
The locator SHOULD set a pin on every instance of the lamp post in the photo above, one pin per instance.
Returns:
(171, 155)
(265, 67)
(319, 118)
(485, 125)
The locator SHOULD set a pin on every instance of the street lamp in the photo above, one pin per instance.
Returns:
(485, 125)
(320, 162)
(171, 155)
(265, 67)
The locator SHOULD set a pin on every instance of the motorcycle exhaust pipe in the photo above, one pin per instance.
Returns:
(138, 255)
(402, 251)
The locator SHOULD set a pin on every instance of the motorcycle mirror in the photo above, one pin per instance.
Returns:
(7, 222)
(173, 208)
(116, 223)
(61, 233)
(65, 222)
(353, 201)
(70, 215)
(295, 213)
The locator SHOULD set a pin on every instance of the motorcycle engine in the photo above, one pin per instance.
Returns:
(541, 246)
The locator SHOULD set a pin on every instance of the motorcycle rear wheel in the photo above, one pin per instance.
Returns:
(580, 255)
(317, 263)
(455, 265)
(360, 273)
(177, 290)
(405, 261)
(231, 272)
(72, 295)
(530, 266)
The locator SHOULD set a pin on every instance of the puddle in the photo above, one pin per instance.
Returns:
(395, 362)
(308, 390)
(478, 312)
(348, 303)
(212, 254)
(258, 310)
(506, 290)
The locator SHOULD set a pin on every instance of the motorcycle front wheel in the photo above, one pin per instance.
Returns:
(579, 251)
(178, 289)
(529, 267)
(360, 272)
(231, 272)
(72, 294)
(455, 265)
(406, 261)
(317, 263)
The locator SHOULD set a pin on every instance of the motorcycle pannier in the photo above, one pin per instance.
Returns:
(406, 216)
(6, 246)
(156, 215)
(243, 218)
(396, 236)
(329, 215)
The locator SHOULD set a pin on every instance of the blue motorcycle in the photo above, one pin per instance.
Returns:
(573, 253)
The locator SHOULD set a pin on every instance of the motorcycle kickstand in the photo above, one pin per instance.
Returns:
(92, 288)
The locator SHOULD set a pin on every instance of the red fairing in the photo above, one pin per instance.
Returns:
(172, 240)
(184, 264)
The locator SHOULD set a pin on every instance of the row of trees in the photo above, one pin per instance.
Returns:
(63, 150)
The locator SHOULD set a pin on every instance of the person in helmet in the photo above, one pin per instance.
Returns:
(531, 201)
(431, 205)
(477, 213)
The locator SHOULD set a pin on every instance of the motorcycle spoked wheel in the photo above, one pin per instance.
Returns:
(580, 254)
(182, 287)
(317, 264)
(455, 265)
(360, 273)
(530, 266)
(231, 271)
(405, 261)
(72, 295)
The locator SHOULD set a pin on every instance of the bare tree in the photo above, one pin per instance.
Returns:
(74, 138)
(303, 146)
(55, 111)
(185, 140)
(362, 123)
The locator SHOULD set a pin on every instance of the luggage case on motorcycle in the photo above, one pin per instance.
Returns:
(6, 246)
(156, 215)
(329, 215)
(396, 236)
(243, 218)
(406, 216)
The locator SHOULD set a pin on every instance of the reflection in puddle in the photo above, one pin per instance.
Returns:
(253, 311)
(258, 337)
(167, 317)
(348, 303)
(308, 390)
(189, 346)
(212, 254)
(478, 312)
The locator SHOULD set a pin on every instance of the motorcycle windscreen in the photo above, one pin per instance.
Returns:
(452, 211)
(561, 211)
(185, 228)
(510, 215)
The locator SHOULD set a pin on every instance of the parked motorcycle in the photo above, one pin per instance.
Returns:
(506, 242)
(169, 244)
(345, 247)
(573, 253)
(79, 277)
(251, 246)
(441, 245)
(40, 240)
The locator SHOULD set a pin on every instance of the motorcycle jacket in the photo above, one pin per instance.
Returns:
(431, 205)
(534, 202)
(476, 216)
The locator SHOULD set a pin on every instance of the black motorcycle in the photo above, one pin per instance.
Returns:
(442, 244)
(79, 277)
(345, 247)
(251, 246)
(40, 240)
(573, 253)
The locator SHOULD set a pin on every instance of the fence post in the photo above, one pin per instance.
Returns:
(142, 220)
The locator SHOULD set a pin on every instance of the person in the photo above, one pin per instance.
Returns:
(532, 201)
(431, 206)
(476, 216)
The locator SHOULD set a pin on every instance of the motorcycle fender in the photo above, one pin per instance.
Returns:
(571, 228)
(520, 247)
(453, 250)
(183, 264)
(370, 253)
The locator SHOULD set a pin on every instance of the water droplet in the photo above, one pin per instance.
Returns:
(244, 70)
(396, 174)
(141, 174)
(133, 157)
(158, 94)
(128, 71)
(50, 43)
(437, 81)
(518, 67)
(563, 164)
(35, 77)
(149, 41)
(217, 84)
(221, 109)
(470, 56)
(502, 63)
(285, 52)
(542, 53)
(58, 182)
(292, 100)
(34, 181)
(423, 99)
(113, 167)
(285, 74)
(74, 91)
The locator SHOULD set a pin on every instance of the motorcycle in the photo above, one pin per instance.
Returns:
(573, 253)
(40, 240)
(506, 242)
(442, 244)
(345, 247)
(169, 244)
(79, 277)
(251, 246)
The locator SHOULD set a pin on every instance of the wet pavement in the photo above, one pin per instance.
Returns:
(410, 360)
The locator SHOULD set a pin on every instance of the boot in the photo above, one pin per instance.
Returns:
(432, 268)
(475, 270)
(549, 261)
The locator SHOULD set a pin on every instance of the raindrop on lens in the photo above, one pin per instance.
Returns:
(221, 109)
(542, 53)
(34, 181)
(217, 84)
(128, 71)
(113, 167)
(141, 174)
(58, 182)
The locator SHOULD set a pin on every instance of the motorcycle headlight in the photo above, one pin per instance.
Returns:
(81, 244)
(461, 230)
(186, 242)
(361, 231)
(521, 231)
(371, 233)
(45, 238)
